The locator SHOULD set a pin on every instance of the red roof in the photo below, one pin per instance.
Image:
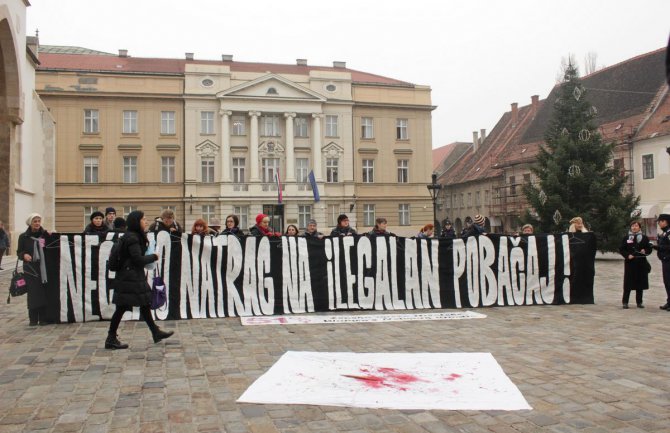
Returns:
(106, 63)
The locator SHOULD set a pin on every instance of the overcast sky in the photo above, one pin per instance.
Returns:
(477, 56)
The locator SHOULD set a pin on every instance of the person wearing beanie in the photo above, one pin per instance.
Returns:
(214, 226)
(120, 225)
(311, 231)
(30, 249)
(663, 247)
(262, 227)
(448, 231)
(474, 227)
(97, 226)
(343, 228)
(110, 214)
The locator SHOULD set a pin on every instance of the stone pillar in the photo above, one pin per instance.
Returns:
(225, 145)
(253, 147)
(316, 145)
(289, 176)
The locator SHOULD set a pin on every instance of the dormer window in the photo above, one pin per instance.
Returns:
(272, 91)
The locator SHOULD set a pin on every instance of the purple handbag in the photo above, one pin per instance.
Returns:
(158, 295)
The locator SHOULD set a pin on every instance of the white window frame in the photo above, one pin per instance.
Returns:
(91, 121)
(369, 214)
(300, 127)
(648, 166)
(270, 126)
(208, 212)
(239, 125)
(333, 213)
(130, 122)
(401, 129)
(301, 170)
(304, 215)
(404, 214)
(239, 169)
(130, 169)
(207, 172)
(206, 122)
(367, 128)
(368, 171)
(403, 171)
(332, 170)
(270, 166)
(168, 123)
(331, 125)
(91, 169)
(168, 164)
(243, 214)
(128, 209)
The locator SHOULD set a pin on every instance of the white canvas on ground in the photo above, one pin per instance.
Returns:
(447, 381)
(313, 319)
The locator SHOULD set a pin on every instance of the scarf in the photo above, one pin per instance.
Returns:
(38, 253)
(265, 231)
(637, 237)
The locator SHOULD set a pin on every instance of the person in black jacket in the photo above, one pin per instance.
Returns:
(97, 225)
(4, 242)
(635, 247)
(664, 254)
(448, 231)
(166, 223)
(31, 250)
(232, 226)
(131, 288)
(343, 228)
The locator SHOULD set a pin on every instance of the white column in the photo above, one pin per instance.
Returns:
(253, 145)
(289, 176)
(316, 145)
(225, 145)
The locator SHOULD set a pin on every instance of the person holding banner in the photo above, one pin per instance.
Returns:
(232, 226)
(426, 232)
(31, 247)
(131, 288)
(166, 223)
(380, 228)
(97, 225)
(343, 228)
(577, 225)
(635, 247)
(200, 227)
(311, 231)
(262, 227)
(292, 230)
(663, 247)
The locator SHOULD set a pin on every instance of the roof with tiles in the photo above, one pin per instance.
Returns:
(445, 156)
(658, 123)
(81, 59)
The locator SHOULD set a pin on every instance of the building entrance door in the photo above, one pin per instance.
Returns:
(276, 214)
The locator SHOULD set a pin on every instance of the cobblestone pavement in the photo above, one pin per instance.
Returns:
(583, 368)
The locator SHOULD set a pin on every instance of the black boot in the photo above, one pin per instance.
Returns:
(113, 343)
(159, 334)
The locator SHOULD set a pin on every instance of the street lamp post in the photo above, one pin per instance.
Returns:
(434, 189)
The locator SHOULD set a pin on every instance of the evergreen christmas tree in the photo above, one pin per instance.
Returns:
(576, 177)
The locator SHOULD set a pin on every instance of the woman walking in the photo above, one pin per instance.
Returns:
(635, 247)
(31, 250)
(131, 288)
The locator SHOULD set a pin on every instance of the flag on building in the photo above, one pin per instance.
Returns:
(315, 187)
(279, 192)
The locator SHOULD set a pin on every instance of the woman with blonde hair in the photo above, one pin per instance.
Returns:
(577, 225)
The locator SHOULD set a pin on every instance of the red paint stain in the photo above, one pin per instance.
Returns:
(384, 377)
(453, 376)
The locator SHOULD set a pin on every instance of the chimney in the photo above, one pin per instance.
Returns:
(515, 113)
(227, 57)
(301, 62)
(482, 133)
(189, 56)
(475, 141)
(534, 102)
(338, 64)
(123, 53)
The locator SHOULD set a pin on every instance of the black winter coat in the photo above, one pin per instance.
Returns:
(37, 294)
(636, 270)
(664, 245)
(130, 285)
(93, 230)
(343, 231)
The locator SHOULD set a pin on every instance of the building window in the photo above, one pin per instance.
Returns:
(478, 198)
(648, 166)
(486, 197)
(403, 214)
(208, 212)
(128, 209)
(333, 213)
(207, 122)
(403, 171)
(239, 125)
(129, 169)
(130, 122)
(462, 201)
(167, 169)
(239, 166)
(469, 199)
(242, 212)
(332, 165)
(88, 210)
(526, 179)
(167, 123)
(270, 167)
(331, 126)
(301, 170)
(367, 130)
(304, 215)
(368, 214)
(270, 126)
(512, 186)
(368, 170)
(401, 129)
(91, 122)
(91, 169)
(300, 127)
(207, 165)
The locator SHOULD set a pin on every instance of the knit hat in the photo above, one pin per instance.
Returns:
(96, 214)
(31, 217)
(110, 210)
(311, 222)
(663, 217)
(479, 220)
(260, 217)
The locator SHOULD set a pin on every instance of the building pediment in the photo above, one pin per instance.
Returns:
(207, 148)
(332, 150)
(271, 148)
(271, 86)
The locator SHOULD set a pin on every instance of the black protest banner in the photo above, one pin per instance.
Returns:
(225, 276)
